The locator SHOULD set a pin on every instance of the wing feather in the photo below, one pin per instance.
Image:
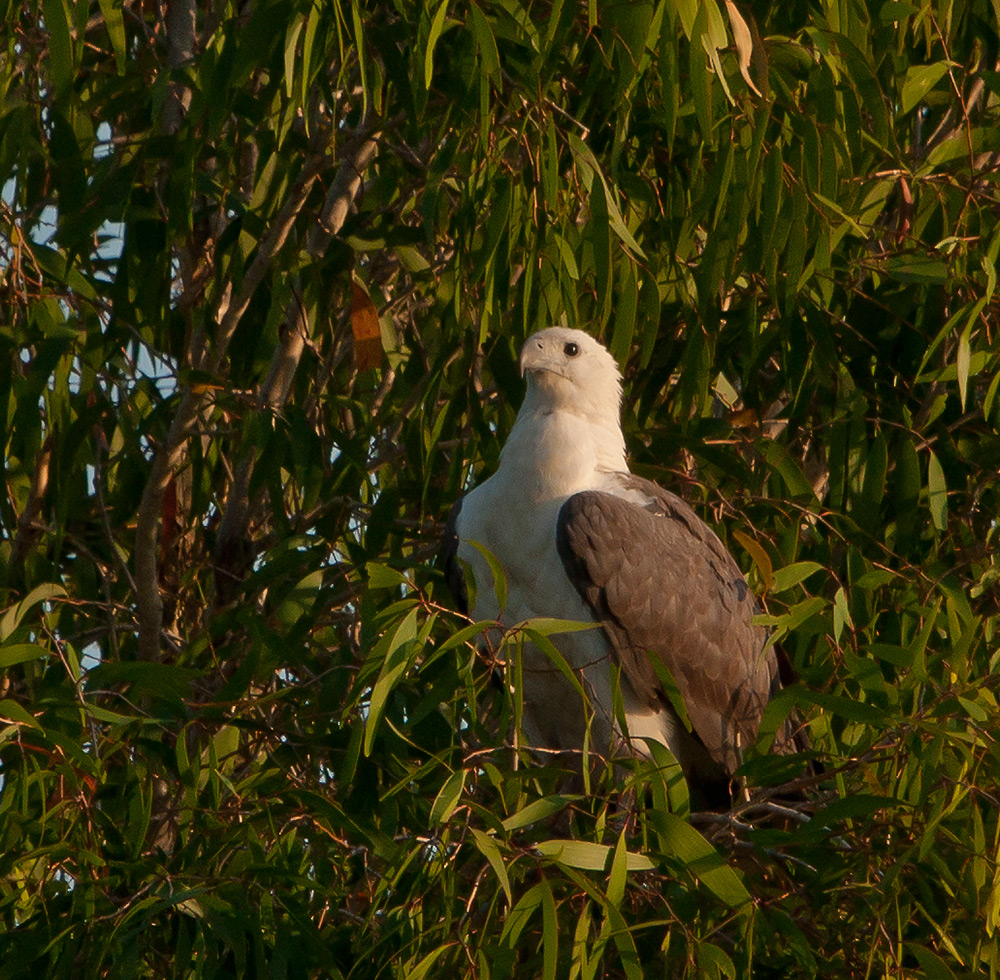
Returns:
(663, 585)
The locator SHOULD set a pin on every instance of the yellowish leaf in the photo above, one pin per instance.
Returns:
(744, 43)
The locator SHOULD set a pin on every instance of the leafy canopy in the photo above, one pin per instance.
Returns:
(265, 268)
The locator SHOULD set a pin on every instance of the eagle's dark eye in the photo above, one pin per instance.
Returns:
(571, 350)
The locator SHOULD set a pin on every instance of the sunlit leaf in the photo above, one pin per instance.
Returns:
(13, 616)
(743, 41)
(19, 653)
(437, 25)
(919, 80)
(489, 849)
(448, 797)
(114, 23)
(11, 711)
(760, 558)
(791, 575)
(536, 811)
(680, 840)
(937, 491)
(589, 856)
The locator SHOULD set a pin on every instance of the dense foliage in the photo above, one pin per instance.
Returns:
(265, 268)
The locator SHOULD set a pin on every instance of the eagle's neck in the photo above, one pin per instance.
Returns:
(552, 453)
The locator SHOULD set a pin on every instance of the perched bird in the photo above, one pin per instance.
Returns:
(579, 537)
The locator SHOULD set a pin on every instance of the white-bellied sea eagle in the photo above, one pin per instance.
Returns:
(581, 538)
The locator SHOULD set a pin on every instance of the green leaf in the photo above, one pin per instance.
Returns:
(916, 269)
(874, 579)
(19, 653)
(600, 235)
(589, 856)
(60, 47)
(411, 259)
(791, 575)
(545, 626)
(486, 43)
(931, 965)
(13, 617)
(568, 259)
(789, 469)
(448, 796)
(521, 914)
(893, 10)
(226, 742)
(962, 364)
(991, 401)
(796, 615)
(621, 934)
(670, 689)
(398, 651)
(437, 25)
(937, 491)
(713, 961)
(11, 711)
(489, 849)
(550, 933)
(426, 964)
(382, 577)
(992, 910)
(700, 75)
(359, 44)
(547, 647)
(625, 312)
(867, 714)
(618, 877)
(291, 45)
(583, 153)
(308, 47)
(676, 797)
(873, 485)
(459, 638)
(160, 680)
(114, 23)
(919, 80)
(841, 614)
(537, 811)
(900, 656)
(679, 840)
(497, 224)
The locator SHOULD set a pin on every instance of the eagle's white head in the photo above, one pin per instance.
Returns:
(567, 370)
(569, 426)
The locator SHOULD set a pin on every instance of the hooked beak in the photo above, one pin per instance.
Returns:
(534, 357)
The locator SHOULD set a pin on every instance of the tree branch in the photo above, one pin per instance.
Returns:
(231, 554)
(180, 25)
(26, 530)
(149, 602)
